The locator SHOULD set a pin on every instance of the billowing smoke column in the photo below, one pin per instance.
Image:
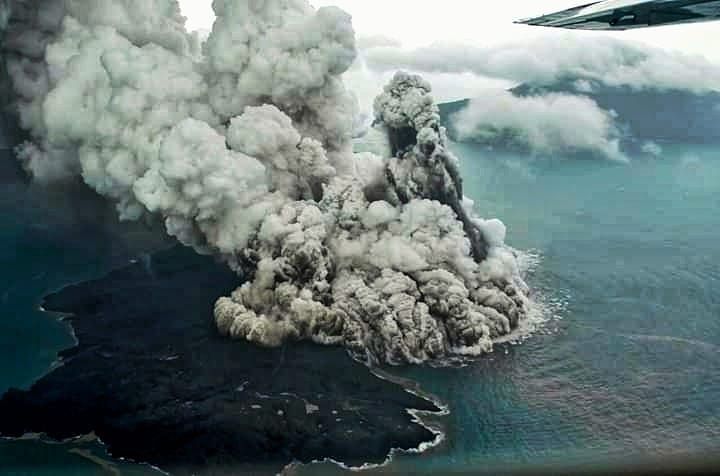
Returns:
(243, 148)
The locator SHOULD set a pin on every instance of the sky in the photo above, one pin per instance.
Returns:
(419, 23)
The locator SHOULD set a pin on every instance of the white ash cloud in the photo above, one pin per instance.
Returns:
(288, 54)
(552, 124)
(243, 148)
(398, 272)
(31, 26)
(607, 60)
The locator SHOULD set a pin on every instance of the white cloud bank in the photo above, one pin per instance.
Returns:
(551, 124)
(544, 60)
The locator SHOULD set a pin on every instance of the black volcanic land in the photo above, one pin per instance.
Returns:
(151, 377)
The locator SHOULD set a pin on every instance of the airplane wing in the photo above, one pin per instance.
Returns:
(627, 14)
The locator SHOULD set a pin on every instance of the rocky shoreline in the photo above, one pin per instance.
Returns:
(153, 379)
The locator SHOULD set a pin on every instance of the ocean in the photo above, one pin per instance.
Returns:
(626, 362)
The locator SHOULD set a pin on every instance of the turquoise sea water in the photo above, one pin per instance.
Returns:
(628, 362)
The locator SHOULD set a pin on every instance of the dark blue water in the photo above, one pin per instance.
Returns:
(627, 363)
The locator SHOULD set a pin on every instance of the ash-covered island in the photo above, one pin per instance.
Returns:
(152, 378)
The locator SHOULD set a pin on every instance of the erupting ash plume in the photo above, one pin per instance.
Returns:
(243, 147)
